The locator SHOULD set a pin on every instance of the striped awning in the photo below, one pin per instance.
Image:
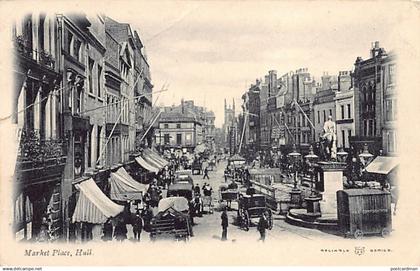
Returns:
(155, 157)
(146, 165)
(382, 165)
(93, 206)
(124, 187)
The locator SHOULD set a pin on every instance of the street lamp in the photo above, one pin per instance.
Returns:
(295, 194)
(342, 155)
(365, 156)
(295, 157)
(311, 158)
(312, 202)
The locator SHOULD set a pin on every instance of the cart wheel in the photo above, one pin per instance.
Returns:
(358, 234)
(385, 232)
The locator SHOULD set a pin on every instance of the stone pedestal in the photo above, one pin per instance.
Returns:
(295, 197)
(330, 178)
(313, 206)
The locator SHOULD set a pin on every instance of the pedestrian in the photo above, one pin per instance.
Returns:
(207, 190)
(262, 226)
(226, 174)
(206, 173)
(107, 230)
(137, 224)
(120, 232)
(225, 223)
(197, 190)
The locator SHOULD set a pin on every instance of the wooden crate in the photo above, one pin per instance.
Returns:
(364, 211)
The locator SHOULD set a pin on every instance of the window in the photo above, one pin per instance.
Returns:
(348, 111)
(325, 117)
(90, 71)
(331, 112)
(342, 112)
(391, 141)
(98, 143)
(389, 110)
(349, 133)
(365, 127)
(319, 119)
(178, 125)
(370, 128)
(178, 139)
(343, 136)
(166, 126)
(99, 80)
(79, 99)
(41, 32)
(77, 44)
(70, 41)
(391, 74)
(166, 138)
(89, 154)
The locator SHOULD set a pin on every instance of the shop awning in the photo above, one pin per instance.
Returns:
(382, 165)
(93, 206)
(155, 157)
(160, 158)
(149, 159)
(124, 187)
(146, 165)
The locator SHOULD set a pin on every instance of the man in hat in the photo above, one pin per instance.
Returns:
(225, 224)
(262, 226)
(137, 226)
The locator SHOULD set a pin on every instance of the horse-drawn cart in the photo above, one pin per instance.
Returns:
(172, 220)
(228, 194)
(253, 206)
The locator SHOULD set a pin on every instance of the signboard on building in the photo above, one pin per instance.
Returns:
(280, 101)
(275, 132)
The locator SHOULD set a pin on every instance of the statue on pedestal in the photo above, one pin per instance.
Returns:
(329, 140)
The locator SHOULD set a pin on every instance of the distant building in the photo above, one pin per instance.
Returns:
(389, 129)
(344, 110)
(179, 130)
(369, 99)
(230, 128)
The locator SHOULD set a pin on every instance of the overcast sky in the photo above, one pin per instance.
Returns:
(208, 51)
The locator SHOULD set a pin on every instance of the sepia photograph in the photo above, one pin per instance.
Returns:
(262, 133)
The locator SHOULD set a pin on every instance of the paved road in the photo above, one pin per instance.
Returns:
(208, 227)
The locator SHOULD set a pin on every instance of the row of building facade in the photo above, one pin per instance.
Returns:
(184, 127)
(82, 99)
(291, 109)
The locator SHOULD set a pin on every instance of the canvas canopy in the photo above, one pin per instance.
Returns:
(179, 204)
(143, 163)
(124, 187)
(382, 165)
(163, 162)
(93, 206)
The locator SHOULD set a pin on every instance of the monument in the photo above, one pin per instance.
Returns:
(328, 179)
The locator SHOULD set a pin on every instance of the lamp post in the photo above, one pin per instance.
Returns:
(295, 193)
(311, 158)
(365, 157)
(342, 155)
(313, 207)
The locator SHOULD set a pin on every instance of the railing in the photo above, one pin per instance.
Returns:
(44, 58)
(39, 151)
